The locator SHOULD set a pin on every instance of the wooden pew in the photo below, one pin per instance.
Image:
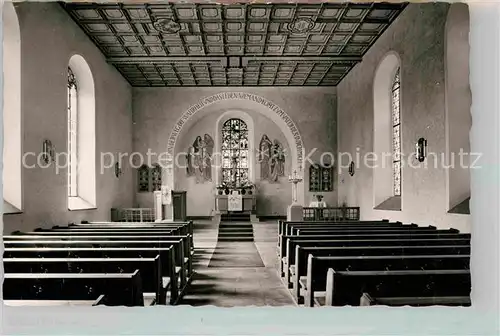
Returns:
(145, 231)
(149, 270)
(188, 224)
(285, 226)
(346, 287)
(282, 224)
(188, 251)
(340, 236)
(171, 273)
(317, 267)
(292, 228)
(308, 231)
(290, 262)
(99, 233)
(119, 289)
(178, 244)
(100, 301)
(181, 229)
(415, 301)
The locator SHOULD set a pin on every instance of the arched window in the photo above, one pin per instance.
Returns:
(396, 133)
(235, 152)
(12, 136)
(81, 135)
(387, 134)
(72, 135)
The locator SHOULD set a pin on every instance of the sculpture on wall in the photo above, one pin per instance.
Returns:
(265, 147)
(277, 161)
(199, 159)
(271, 159)
(207, 152)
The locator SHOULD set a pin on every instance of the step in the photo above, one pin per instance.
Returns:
(235, 230)
(236, 239)
(235, 234)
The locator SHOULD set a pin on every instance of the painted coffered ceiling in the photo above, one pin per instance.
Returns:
(186, 44)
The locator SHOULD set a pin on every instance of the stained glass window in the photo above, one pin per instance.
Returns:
(235, 166)
(396, 132)
(156, 177)
(320, 178)
(72, 134)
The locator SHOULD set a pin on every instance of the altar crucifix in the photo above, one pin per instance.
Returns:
(294, 178)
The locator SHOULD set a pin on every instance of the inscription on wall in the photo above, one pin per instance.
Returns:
(231, 96)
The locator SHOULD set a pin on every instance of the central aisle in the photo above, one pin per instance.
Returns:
(240, 273)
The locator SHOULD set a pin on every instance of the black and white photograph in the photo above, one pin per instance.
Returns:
(237, 154)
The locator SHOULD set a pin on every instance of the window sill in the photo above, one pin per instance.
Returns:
(463, 208)
(391, 204)
(9, 209)
(78, 203)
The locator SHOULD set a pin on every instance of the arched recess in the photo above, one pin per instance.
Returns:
(217, 164)
(12, 129)
(457, 109)
(85, 197)
(251, 102)
(384, 197)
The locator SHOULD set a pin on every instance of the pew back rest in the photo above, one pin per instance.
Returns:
(119, 289)
(346, 288)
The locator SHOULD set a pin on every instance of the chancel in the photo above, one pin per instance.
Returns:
(244, 154)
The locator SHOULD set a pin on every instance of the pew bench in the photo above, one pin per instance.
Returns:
(415, 301)
(282, 224)
(149, 269)
(123, 289)
(346, 287)
(188, 250)
(106, 231)
(171, 274)
(294, 229)
(100, 301)
(361, 236)
(188, 224)
(314, 279)
(182, 252)
(290, 260)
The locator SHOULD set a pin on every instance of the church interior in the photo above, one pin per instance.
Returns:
(240, 154)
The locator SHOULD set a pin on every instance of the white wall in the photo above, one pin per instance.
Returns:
(418, 36)
(156, 111)
(49, 38)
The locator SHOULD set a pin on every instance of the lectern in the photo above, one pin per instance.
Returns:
(179, 205)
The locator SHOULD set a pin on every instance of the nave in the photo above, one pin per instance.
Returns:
(333, 262)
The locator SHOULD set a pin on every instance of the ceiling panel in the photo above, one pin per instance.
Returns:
(182, 44)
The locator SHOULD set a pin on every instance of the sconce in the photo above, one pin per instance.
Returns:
(421, 149)
(351, 168)
(48, 152)
(118, 169)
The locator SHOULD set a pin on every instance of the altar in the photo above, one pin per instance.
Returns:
(240, 203)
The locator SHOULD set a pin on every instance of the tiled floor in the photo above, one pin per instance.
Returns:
(231, 287)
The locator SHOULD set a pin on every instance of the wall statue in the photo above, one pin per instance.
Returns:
(271, 159)
(265, 147)
(199, 159)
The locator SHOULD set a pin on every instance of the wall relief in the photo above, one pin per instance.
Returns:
(199, 159)
(271, 159)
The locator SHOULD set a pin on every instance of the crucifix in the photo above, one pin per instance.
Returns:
(294, 178)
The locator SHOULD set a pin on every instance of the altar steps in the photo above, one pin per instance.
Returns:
(235, 217)
(235, 231)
